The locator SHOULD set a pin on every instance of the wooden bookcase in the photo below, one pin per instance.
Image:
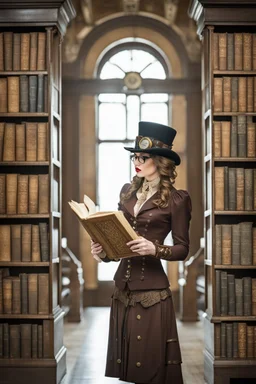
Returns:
(31, 326)
(230, 317)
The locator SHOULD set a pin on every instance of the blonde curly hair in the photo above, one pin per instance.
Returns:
(167, 173)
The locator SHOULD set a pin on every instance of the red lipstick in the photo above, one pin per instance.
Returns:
(137, 169)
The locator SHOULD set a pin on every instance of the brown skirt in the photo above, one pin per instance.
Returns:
(143, 345)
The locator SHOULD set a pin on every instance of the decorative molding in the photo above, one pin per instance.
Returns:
(131, 6)
(170, 10)
(86, 7)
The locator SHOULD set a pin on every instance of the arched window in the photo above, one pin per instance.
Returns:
(118, 117)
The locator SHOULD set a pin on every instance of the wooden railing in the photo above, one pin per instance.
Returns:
(191, 286)
(72, 284)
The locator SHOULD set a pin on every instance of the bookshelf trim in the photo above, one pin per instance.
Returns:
(229, 266)
(235, 212)
(17, 73)
(25, 163)
(220, 319)
(24, 264)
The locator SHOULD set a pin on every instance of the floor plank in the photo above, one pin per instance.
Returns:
(87, 346)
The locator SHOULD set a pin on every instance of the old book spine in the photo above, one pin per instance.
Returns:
(11, 193)
(26, 338)
(253, 296)
(232, 189)
(9, 142)
(251, 137)
(20, 147)
(5, 243)
(44, 242)
(34, 341)
(32, 82)
(2, 129)
(43, 293)
(3, 95)
(235, 239)
(239, 296)
(226, 244)
(239, 189)
(24, 292)
(16, 242)
(254, 343)
(40, 341)
(223, 340)
(13, 93)
(8, 50)
(33, 51)
(241, 136)
(32, 293)
(45, 93)
(25, 49)
(7, 294)
(254, 187)
(47, 339)
(215, 51)
(238, 42)
(218, 242)
(16, 295)
(42, 140)
(26, 242)
(3, 273)
(1, 53)
(222, 51)
(247, 298)
(218, 293)
(235, 340)
(225, 138)
(254, 93)
(230, 52)
(249, 94)
(40, 94)
(2, 194)
(250, 333)
(217, 341)
(22, 202)
(253, 51)
(247, 51)
(1, 334)
(43, 193)
(219, 188)
(41, 51)
(226, 94)
(218, 94)
(24, 98)
(231, 295)
(35, 244)
(6, 341)
(248, 189)
(217, 138)
(33, 194)
(254, 245)
(226, 191)
(31, 141)
(242, 92)
(242, 347)
(229, 330)
(16, 52)
(223, 294)
(246, 243)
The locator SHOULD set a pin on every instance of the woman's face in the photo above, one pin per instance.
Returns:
(147, 169)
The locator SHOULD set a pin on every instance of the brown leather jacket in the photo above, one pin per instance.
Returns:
(153, 223)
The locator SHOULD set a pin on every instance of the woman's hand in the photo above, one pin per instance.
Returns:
(96, 250)
(142, 246)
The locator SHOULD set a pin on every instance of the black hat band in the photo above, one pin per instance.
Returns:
(145, 142)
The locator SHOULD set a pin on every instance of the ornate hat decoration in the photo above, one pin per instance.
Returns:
(156, 139)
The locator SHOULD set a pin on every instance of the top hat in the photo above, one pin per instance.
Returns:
(156, 139)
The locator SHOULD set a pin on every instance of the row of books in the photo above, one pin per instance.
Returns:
(235, 244)
(234, 51)
(23, 142)
(235, 138)
(23, 93)
(235, 296)
(234, 94)
(22, 51)
(235, 189)
(24, 294)
(24, 194)
(24, 242)
(25, 341)
(235, 341)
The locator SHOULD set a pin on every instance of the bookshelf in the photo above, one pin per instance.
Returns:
(229, 120)
(31, 317)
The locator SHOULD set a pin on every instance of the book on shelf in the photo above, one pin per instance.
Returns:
(110, 229)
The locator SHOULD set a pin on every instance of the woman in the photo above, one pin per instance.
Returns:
(143, 343)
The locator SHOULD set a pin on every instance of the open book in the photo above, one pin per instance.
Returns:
(110, 229)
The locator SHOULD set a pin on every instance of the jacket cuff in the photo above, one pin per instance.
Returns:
(163, 251)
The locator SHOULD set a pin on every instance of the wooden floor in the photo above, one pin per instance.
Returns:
(87, 342)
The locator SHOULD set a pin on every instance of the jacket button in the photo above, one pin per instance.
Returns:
(138, 364)
(118, 361)
(139, 337)
(133, 228)
(138, 317)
